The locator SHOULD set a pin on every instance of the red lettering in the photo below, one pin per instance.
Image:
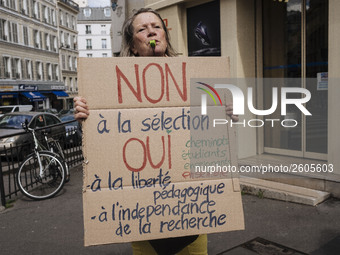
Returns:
(149, 156)
(124, 156)
(183, 94)
(169, 151)
(136, 90)
(154, 101)
(121, 76)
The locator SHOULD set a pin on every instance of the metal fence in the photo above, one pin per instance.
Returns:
(11, 157)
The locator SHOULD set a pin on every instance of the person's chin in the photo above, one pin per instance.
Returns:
(160, 53)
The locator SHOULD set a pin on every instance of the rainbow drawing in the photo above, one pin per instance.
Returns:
(209, 93)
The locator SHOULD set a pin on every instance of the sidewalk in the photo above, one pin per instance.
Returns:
(55, 226)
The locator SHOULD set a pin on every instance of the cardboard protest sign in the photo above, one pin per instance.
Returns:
(147, 148)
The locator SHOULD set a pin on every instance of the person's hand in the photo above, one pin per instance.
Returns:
(81, 109)
(229, 111)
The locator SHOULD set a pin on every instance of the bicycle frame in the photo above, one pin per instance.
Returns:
(39, 147)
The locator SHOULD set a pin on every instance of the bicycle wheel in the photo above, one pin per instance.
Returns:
(47, 184)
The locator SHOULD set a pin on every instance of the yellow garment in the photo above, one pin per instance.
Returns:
(198, 247)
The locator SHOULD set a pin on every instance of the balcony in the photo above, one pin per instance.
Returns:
(70, 4)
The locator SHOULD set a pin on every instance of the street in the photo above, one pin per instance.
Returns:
(55, 226)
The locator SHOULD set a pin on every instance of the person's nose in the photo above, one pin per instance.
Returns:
(151, 32)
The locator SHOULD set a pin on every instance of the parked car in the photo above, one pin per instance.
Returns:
(65, 112)
(11, 124)
(15, 108)
(50, 110)
(73, 130)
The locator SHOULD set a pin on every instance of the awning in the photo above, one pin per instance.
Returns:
(8, 95)
(60, 93)
(34, 96)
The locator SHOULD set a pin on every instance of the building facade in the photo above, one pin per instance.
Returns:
(82, 3)
(94, 27)
(265, 39)
(68, 48)
(30, 71)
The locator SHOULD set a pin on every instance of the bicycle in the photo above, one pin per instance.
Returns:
(44, 172)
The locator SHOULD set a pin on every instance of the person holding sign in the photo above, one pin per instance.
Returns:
(145, 34)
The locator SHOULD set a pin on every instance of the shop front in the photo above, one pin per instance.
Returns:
(40, 96)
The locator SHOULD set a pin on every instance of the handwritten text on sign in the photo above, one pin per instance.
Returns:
(139, 149)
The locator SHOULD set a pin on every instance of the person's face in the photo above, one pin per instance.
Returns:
(147, 26)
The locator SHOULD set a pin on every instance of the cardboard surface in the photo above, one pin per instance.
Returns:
(141, 180)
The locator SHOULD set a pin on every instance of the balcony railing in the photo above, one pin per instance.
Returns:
(71, 4)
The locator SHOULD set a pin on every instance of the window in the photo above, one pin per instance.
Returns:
(51, 43)
(75, 63)
(53, 16)
(295, 39)
(7, 67)
(88, 29)
(15, 32)
(24, 7)
(88, 44)
(36, 11)
(39, 71)
(63, 60)
(67, 20)
(39, 121)
(16, 68)
(12, 4)
(51, 120)
(87, 12)
(49, 17)
(61, 16)
(49, 71)
(89, 55)
(104, 55)
(74, 42)
(28, 68)
(67, 40)
(41, 39)
(56, 68)
(107, 12)
(9, 29)
(104, 44)
(64, 80)
(36, 38)
(3, 35)
(45, 19)
(47, 42)
(55, 43)
(25, 33)
(103, 32)
(62, 39)
(69, 63)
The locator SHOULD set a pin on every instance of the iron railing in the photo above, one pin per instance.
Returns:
(12, 156)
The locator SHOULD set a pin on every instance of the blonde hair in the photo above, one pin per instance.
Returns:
(127, 30)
